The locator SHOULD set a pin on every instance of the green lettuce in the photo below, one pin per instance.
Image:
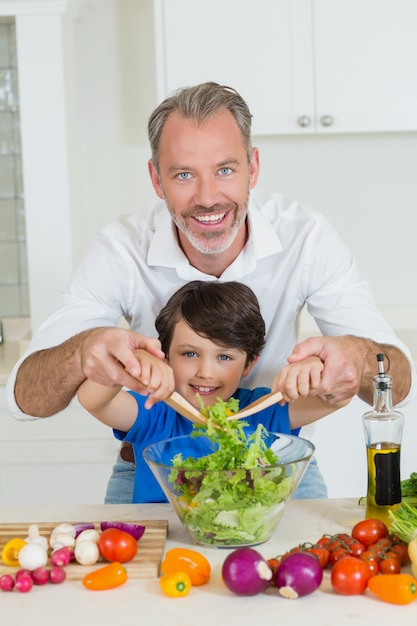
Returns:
(240, 499)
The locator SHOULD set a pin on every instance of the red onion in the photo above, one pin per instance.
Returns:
(80, 527)
(246, 572)
(298, 575)
(136, 530)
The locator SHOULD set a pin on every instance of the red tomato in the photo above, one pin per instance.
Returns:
(369, 531)
(350, 576)
(117, 545)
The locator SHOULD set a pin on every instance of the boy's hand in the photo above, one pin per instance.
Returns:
(301, 379)
(157, 377)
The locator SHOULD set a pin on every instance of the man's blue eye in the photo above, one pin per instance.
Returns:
(225, 170)
(184, 175)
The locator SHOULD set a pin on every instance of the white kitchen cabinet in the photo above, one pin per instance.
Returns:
(304, 66)
(65, 459)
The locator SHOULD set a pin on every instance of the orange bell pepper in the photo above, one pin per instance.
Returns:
(11, 550)
(189, 561)
(175, 585)
(107, 577)
(394, 588)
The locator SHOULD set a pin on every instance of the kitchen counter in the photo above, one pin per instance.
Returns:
(141, 601)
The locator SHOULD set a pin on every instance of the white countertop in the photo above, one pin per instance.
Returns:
(142, 602)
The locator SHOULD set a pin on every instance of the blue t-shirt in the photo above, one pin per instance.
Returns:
(162, 422)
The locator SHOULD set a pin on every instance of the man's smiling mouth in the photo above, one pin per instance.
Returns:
(214, 218)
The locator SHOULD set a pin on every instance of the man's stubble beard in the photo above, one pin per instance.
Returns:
(198, 241)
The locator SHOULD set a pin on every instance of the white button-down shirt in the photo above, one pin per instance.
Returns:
(293, 257)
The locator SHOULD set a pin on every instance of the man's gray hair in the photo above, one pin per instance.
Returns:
(200, 103)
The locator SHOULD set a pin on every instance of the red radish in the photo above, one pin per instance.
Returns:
(246, 572)
(6, 582)
(40, 576)
(298, 575)
(57, 575)
(24, 584)
(23, 572)
(62, 556)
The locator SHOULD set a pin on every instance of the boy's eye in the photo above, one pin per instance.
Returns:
(190, 354)
(224, 357)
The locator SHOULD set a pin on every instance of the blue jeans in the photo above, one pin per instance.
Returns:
(120, 485)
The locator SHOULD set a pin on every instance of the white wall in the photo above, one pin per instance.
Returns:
(365, 183)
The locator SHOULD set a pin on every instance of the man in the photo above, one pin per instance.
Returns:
(210, 224)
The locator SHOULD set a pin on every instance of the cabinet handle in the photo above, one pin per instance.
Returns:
(304, 120)
(326, 120)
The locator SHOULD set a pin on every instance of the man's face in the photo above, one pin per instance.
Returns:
(205, 177)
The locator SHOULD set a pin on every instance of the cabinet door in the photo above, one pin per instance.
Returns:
(262, 49)
(366, 65)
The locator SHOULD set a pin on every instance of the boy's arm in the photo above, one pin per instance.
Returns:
(307, 410)
(110, 405)
(117, 408)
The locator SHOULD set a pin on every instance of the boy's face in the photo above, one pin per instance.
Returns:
(201, 366)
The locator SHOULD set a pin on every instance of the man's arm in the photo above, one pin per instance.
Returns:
(350, 363)
(47, 380)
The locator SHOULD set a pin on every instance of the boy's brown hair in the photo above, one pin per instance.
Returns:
(227, 313)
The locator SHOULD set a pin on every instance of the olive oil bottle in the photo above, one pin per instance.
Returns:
(383, 428)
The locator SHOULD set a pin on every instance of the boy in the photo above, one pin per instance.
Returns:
(212, 334)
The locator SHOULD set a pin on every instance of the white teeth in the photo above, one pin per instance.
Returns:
(210, 219)
(204, 389)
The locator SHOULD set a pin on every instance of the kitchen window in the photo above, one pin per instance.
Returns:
(14, 290)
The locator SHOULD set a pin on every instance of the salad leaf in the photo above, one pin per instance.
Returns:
(234, 495)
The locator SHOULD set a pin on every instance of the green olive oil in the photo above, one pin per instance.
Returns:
(383, 428)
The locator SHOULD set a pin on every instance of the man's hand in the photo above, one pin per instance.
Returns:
(107, 356)
(48, 380)
(350, 363)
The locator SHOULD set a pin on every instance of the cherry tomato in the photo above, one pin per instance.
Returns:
(117, 545)
(390, 566)
(369, 531)
(371, 560)
(401, 550)
(337, 554)
(356, 548)
(350, 576)
(321, 553)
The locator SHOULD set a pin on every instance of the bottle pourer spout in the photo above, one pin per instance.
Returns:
(380, 359)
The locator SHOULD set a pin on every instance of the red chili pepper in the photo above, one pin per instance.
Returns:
(107, 577)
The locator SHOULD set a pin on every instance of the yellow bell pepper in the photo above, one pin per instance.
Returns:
(175, 585)
(11, 550)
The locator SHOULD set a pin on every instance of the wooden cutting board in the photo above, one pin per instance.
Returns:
(145, 564)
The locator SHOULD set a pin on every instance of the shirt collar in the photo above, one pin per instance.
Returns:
(164, 250)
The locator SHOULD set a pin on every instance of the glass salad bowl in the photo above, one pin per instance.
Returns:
(228, 507)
